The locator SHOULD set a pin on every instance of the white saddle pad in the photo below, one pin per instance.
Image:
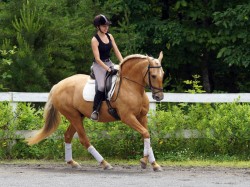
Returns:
(89, 89)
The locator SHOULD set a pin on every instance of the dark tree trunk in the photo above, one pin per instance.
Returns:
(205, 72)
(165, 10)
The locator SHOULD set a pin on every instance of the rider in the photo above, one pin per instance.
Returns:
(101, 45)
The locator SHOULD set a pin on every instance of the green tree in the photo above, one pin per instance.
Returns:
(5, 61)
(27, 71)
(192, 36)
(53, 41)
(233, 34)
(209, 38)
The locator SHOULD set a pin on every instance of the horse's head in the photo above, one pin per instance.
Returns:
(155, 75)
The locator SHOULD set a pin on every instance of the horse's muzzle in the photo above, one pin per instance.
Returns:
(158, 96)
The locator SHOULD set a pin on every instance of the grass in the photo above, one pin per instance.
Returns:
(189, 163)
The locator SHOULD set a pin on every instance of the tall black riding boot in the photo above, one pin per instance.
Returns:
(99, 97)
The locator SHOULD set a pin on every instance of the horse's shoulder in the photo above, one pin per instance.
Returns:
(132, 57)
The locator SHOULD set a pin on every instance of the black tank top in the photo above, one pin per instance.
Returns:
(104, 49)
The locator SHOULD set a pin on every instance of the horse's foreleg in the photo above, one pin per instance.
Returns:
(68, 135)
(140, 125)
(149, 156)
(144, 122)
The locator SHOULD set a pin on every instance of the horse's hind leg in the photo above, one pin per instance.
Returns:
(77, 126)
(68, 135)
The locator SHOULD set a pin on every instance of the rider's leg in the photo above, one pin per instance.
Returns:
(99, 96)
(100, 74)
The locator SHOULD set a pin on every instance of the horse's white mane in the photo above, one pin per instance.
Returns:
(132, 56)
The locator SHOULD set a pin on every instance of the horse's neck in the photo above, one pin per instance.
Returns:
(135, 74)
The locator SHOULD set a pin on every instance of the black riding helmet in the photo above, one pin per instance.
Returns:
(101, 20)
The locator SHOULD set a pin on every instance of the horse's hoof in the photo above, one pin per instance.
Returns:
(143, 163)
(156, 167)
(74, 164)
(105, 165)
(108, 167)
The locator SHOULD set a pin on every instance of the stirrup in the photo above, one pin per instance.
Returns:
(94, 116)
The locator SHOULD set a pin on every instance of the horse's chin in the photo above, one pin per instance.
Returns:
(158, 97)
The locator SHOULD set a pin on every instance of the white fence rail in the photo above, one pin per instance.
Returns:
(168, 97)
(15, 97)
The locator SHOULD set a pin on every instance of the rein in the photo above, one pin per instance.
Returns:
(149, 80)
(134, 82)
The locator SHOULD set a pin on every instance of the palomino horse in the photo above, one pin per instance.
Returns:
(129, 99)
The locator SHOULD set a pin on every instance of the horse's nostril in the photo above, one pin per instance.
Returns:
(155, 97)
(158, 97)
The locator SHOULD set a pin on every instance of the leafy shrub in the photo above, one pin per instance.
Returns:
(178, 132)
(216, 129)
(28, 117)
(231, 127)
(6, 131)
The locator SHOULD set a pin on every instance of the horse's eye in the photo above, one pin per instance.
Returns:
(154, 76)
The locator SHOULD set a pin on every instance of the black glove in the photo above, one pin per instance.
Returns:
(113, 71)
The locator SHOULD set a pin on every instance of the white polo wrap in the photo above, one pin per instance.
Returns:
(148, 151)
(95, 154)
(68, 152)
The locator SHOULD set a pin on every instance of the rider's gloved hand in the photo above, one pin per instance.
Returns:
(112, 71)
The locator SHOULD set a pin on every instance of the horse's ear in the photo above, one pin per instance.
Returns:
(160, 56)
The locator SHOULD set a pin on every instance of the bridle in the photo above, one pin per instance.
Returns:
(151, 87)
